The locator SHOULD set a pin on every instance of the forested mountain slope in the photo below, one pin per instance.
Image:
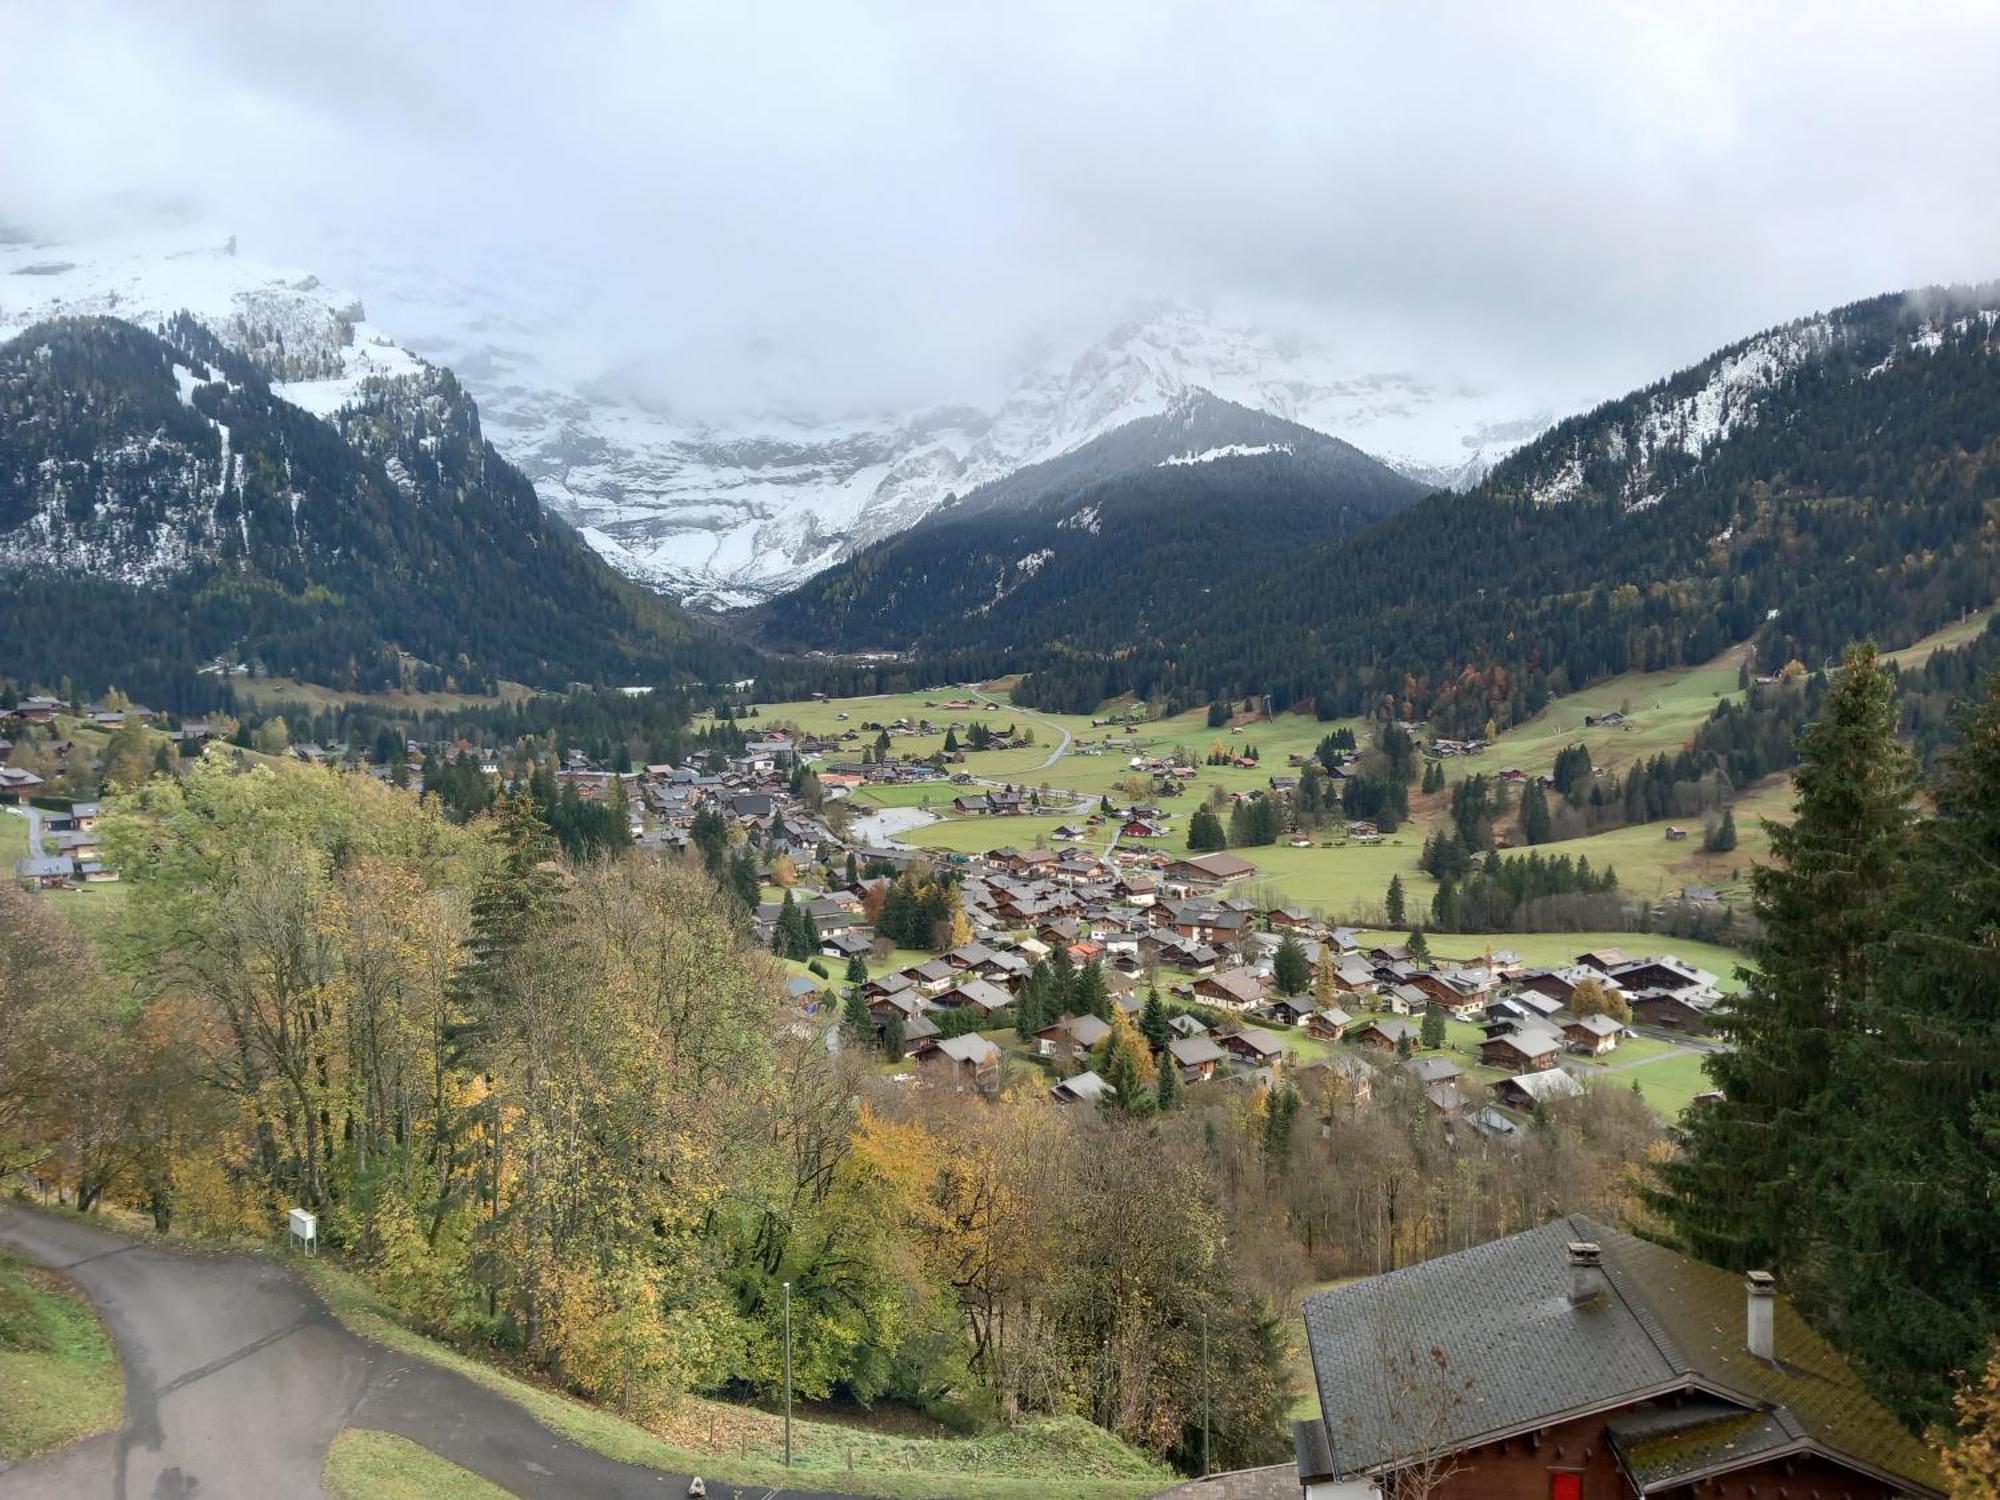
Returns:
(1114, 543)
(1828, 479)
(160, 506)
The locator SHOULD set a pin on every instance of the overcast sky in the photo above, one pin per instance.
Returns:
(1565, 198)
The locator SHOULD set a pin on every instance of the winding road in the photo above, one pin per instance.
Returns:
(237, 1378)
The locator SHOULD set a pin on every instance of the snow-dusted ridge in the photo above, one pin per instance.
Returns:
(1691, 414)
(726, 516)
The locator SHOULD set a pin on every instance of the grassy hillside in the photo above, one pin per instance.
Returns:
(1062, 1455)
(59, 1374)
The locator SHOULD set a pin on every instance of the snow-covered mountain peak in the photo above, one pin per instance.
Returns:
(726, 513)
(313, 341)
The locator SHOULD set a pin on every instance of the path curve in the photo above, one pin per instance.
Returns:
(237, 1378)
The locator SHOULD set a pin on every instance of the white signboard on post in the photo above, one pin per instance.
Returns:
(305, 1229)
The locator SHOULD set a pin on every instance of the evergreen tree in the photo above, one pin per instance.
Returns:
(892, 1036)
(1913, 1269)
(1722, 838)
(1153, 1023)
(742, 879)
(1205, 833)
(1091, 997)
(1743, 1190)
(1169, 1092)
(784, 935)
(1536, 827)
(1418, 945)
(1433, 1028)
(857, 970)
(1291, 968)
(1393, 906)
(856, 1020)
(1281, 1112)
(1062, 983)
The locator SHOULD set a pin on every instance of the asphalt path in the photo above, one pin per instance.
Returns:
(237, 1378)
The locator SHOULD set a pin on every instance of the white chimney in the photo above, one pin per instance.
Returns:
(1586, 1272)
(1761, 1338)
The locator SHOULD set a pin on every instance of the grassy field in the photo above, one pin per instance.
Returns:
(824, 718)
(59, 1375)
(1917, 653)
(260, 690)
(366, 1465)
(1669, 1083)
(1058, 1456)
(976, 835)
(1662, 711)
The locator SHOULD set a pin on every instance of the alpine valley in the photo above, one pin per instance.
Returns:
(1827, 479)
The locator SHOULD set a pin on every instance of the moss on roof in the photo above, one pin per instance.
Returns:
(1701, 1309)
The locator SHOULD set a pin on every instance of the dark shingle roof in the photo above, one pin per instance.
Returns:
(1521, 1355)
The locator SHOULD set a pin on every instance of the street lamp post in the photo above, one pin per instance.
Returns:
(788, 1374)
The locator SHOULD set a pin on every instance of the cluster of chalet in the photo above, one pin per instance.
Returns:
(65, 847)
(1578, 1362)
(1138, 917)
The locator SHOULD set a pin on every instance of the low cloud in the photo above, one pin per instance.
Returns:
(834, 207)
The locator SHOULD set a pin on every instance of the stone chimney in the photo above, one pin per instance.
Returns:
(1586, 1273)
(1761, 1337)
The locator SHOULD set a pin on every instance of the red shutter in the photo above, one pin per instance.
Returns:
(1565, 1487)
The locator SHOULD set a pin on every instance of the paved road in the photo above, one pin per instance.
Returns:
(237, 1378)
(1055, 754)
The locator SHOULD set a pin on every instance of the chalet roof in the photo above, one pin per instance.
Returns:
(1085, 1088)
(1597, 1025)
(1262, 1042)
(1219, 866)
(1434, 1068)
(970, 1048)
(1239, 984)
(979, 992)
(1193, 1051)
(1528, 1038)
(1394, 1028)
(1545, 1087)
(1502, 1319)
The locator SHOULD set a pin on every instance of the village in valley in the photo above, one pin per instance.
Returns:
(1073, 846)
(988, 907)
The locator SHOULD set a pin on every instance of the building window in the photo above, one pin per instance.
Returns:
(1565, 1487)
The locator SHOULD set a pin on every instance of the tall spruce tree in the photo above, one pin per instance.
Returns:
(1913, 1268)
(1395, 905)
(1091, 996)
(1168, 1094)
(858, 1023)
(1291, 968)
(1536, 827)
(1755, 1163)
